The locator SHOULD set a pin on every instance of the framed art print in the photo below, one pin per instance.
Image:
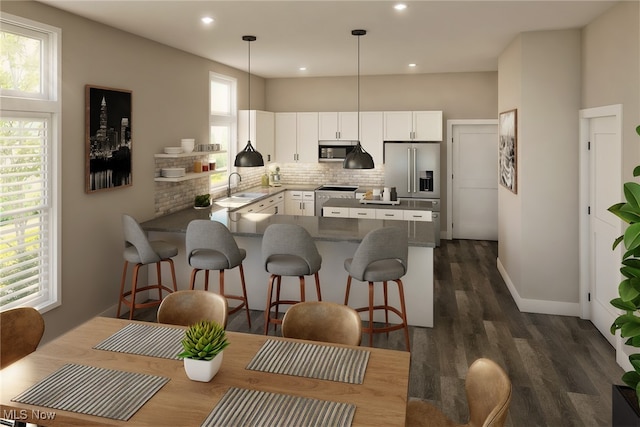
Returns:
(508, 149)
(108, 140)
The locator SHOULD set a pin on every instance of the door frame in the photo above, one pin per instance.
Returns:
(585, 116)
(450, 125)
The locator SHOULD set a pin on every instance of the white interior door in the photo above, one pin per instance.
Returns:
(475, 181)
(604, 190)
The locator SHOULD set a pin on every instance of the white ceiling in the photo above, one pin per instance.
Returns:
(439, 36)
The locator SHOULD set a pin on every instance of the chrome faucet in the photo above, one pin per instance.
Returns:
(229, 185)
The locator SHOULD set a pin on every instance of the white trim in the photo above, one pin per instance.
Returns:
(527, 305)
(583, 198)
(449, 139)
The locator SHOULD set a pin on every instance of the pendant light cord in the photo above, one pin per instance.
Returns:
(358, 89)
(249, 95)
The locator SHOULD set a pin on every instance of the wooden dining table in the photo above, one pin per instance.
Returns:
(380, 400)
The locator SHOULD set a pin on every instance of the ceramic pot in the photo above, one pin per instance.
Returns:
(202, 370)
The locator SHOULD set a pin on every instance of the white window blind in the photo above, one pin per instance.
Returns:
(25, 205)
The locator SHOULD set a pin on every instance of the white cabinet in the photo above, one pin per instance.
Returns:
(342, 126)
(389, 214)
(371, 134)
(335, 212)
(296, 137)
(269, 205)
(300, 203)
(413, 125)
(412, 215)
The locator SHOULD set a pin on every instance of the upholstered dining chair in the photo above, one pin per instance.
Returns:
(189, 307)
(288, 250)
(322, 321)
(381, 257)
(211, 246)
(21, 330)
(140, 251)
(488, 391)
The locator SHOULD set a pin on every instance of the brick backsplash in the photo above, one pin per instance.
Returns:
(174, 196)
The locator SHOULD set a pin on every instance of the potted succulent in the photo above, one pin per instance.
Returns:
(626, 400)
(203, 345)
(202, 201)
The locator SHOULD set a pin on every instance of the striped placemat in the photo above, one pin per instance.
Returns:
(247, 408)
(325, 362)
(146, 340)
(93, 391)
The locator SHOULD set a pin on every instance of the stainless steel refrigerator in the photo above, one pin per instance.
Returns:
(414, 169)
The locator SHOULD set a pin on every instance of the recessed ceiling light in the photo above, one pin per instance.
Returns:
(400, 6)
(302, 68)
(412, 65)
(207, 20)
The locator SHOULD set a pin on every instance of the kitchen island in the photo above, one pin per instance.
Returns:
(336, 239)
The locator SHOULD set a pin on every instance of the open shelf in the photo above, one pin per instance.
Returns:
(192, 154)
(188, 176)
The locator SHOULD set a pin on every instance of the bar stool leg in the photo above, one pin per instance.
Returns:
(244, 294)
(346, 294)
(124, 278)
(302, 284)
(404, 313)
(159, 273)
(370, 314)
(267, 310)
(134, 286)
(317, 276)
(192, 281)
(386, 305)
(206, 280)
(173, 274)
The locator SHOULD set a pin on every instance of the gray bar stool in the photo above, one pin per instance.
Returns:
(288, 250)
(381, 257)
(140, 251)
(211, 246)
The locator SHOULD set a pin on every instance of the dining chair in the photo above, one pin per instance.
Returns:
(211, 246)
(288, 250)
(322, 321)
(140, 251)
(488, 390)
(381, 257)
(21, 330)
(191, 306)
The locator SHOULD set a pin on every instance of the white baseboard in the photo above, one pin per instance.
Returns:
(538, 306)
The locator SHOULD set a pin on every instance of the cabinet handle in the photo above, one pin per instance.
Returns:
(276, 210)
(388, 215)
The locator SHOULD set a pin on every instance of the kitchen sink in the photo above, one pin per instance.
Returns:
(238, 200)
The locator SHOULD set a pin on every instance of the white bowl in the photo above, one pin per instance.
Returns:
(173, 172)
(188, 144)
(173, 150)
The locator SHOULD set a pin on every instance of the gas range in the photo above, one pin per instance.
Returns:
(327, 192)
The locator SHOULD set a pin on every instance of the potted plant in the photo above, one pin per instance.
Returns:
(203, 345)
(202, 201)
(626, 400)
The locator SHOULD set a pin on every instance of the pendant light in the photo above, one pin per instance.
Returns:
(249, 157)
(358, 158)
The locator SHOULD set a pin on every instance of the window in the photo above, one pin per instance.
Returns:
(222, 125)
(29, 164)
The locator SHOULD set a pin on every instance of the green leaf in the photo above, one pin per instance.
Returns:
(626, 291)
(632, 194)
(617, 242)
(621, 213)
(619, 303)
(632, 236)
(631, 328)
(636, 170)
(628, 213)
(631, 378)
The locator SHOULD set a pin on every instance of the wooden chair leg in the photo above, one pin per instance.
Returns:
(386, 305)
(206, 280)
(192, 282)
(346, 294)
(370, 314)
(159, 274)
(267, 309)
(302, 286)
(404, 313)
(134, 286)
(173, 274)
(317, 276)
(124, 278)
(244, 294)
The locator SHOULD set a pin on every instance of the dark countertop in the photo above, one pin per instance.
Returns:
(418, 205)
(321, 228)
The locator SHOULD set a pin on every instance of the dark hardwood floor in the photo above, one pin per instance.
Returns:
(561, 367)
